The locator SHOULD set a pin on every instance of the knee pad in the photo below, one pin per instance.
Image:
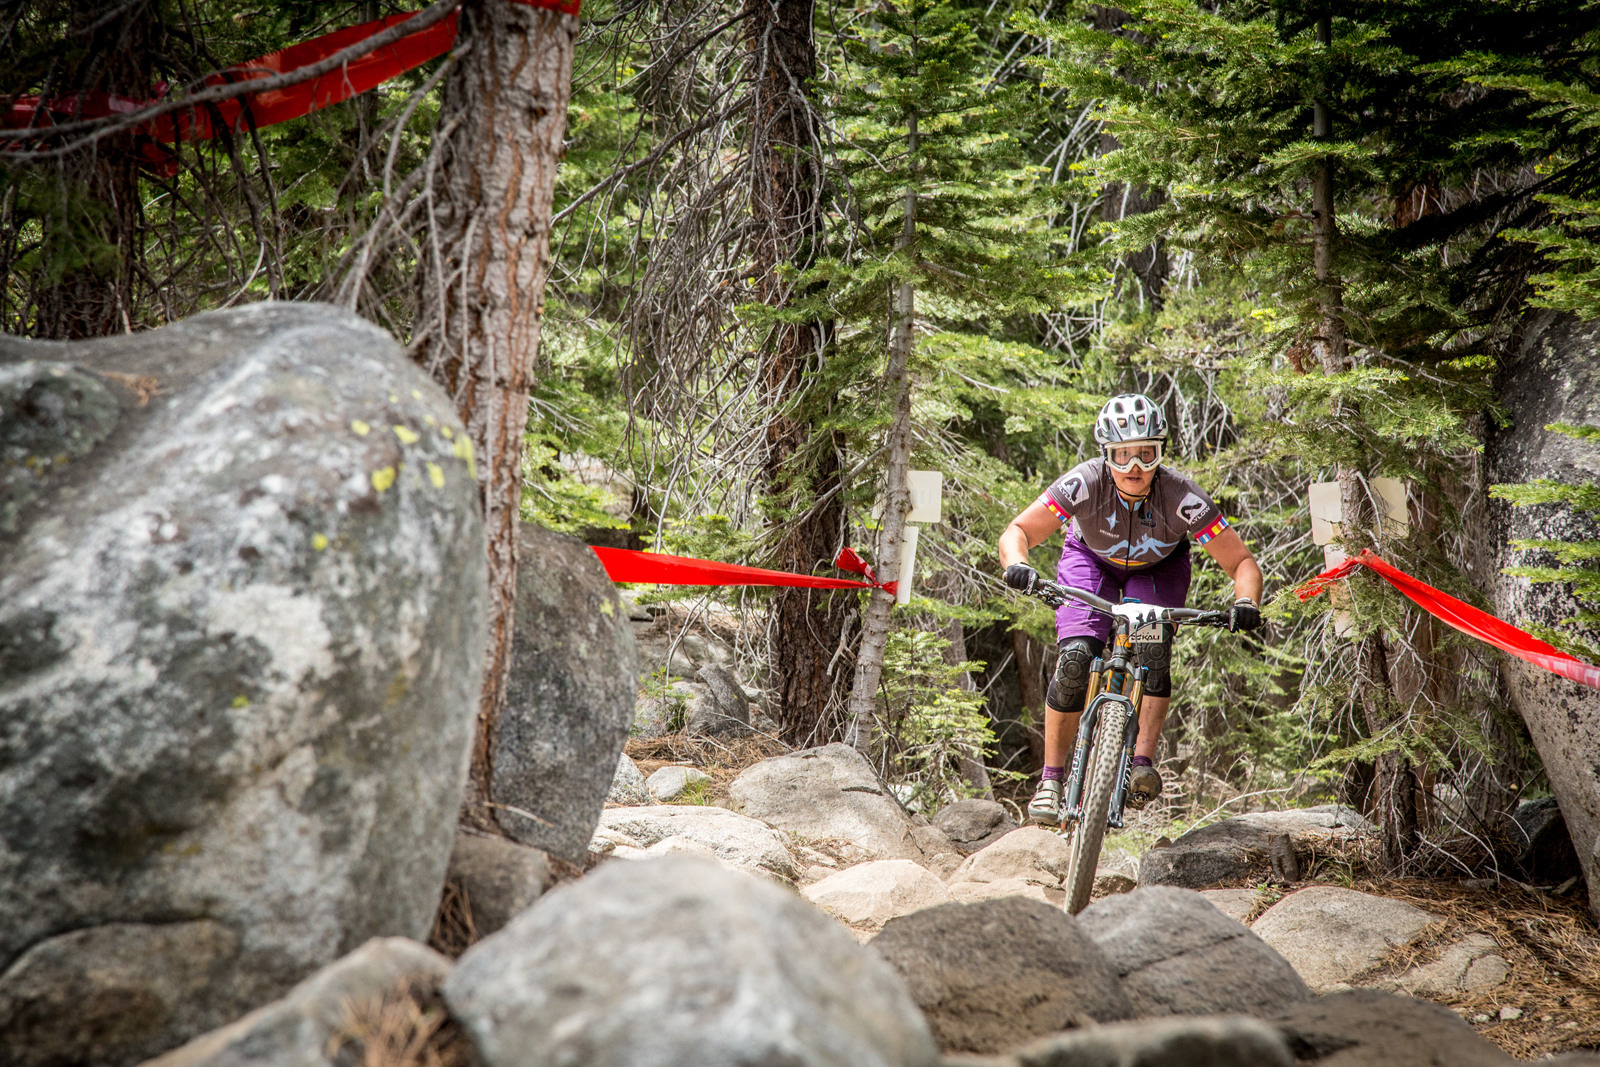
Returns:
(1157, 657)
(1070, 685)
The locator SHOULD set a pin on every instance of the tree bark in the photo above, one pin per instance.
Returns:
(1150, 265)
(1393, 796)
(808, 625)
(98, 209)
(504, 107)
(876, 621)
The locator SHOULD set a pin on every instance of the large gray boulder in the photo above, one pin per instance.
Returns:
(1178, 955)
(1237, 849)
(990, 976)
(733, 838)
(569, 701)
(1331, 935)
(974, 824)
(833, 793)
(241, 644)
(628, 786)
(1215, 1042)
(1363, 1028)
(1553, 378)
(724, 710)
(676, 961)
(500, 878)
(870, 894)
(1031, 853)
(297, 1031)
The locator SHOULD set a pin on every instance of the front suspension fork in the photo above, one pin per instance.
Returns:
(1072, 809)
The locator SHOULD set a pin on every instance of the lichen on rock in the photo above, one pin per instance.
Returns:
(239, 684)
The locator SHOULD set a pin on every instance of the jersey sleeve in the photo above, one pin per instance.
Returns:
(1198, 514)
(1068, 494)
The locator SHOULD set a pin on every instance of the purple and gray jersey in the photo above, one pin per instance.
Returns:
(1132, 536)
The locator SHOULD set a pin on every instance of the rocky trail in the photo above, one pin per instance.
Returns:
(794, 912)
(237, 721)
(1519, 966)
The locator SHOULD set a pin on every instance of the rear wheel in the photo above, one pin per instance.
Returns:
(1105, 763)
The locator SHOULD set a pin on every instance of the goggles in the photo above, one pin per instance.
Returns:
(1122, 458)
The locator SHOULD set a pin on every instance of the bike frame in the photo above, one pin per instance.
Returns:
(1118, 679)
(1109, 683)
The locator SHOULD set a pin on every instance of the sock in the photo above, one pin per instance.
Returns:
(1143, 761)
(1053, 774)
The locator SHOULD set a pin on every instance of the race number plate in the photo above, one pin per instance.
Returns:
(1148, 635)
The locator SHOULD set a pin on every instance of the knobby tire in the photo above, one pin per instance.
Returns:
(1105, 762)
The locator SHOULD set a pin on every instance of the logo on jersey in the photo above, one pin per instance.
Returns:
(1133, 552)
(1075, 490)
(1191, 508)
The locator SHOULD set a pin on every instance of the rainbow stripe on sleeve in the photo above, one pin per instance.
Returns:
(1048, 501)
(1211, 531)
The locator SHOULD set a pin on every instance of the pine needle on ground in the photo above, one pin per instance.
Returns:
(407, 1027)
(453, 929)
(1550, 943)
(721, 758)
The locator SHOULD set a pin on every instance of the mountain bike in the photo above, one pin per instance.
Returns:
(1102, 754)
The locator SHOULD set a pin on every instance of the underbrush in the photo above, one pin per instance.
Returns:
(1551, 944)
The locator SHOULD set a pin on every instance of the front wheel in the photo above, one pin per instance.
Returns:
(1105, 763)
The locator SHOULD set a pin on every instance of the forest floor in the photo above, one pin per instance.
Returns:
(1549, 1004)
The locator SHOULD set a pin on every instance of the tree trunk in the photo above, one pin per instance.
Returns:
(875, 621)
(1118, 201)
(95, 225)
(1393, 796)
(808, 625)
(479, 337)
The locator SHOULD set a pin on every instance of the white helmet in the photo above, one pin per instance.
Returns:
(1130, 417)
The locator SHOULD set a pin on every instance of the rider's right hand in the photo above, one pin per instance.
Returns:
(1021, 576)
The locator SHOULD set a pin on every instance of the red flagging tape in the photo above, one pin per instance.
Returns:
(656, 568)
(279, 105)
(1464, 617)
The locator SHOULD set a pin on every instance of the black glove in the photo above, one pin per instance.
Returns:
(1244, 615)
(1022, 577)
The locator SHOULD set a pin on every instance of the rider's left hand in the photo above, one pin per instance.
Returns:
(1244, 615)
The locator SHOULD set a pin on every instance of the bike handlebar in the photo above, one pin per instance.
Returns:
(1056, 595)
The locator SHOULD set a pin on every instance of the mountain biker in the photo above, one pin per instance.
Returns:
(1131, 519)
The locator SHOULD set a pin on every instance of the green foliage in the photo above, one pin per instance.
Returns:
(1211, 110)
(1566, 136)
(930, 720)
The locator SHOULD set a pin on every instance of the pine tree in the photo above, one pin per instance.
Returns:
(1321, 157)
(941, 234)
(480, 336)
